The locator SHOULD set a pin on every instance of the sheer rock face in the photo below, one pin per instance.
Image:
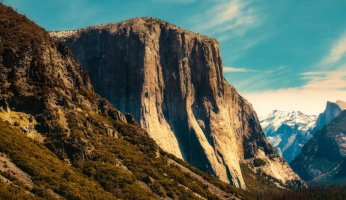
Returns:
(43, 91)
(332, 110)
(171, 81)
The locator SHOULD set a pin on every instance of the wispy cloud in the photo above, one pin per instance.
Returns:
(333, 80)
(310, 98)
(232, 15)
(327, 83)
(236, 69)
(231, 22)
(264, 79)
(336, 53)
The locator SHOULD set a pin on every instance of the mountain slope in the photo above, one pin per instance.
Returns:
(67, 142)
(44, 167)
(332, 110)
(171, 80)
(288, 131)
(322, 159)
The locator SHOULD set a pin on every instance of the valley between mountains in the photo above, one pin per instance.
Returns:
(140, 109)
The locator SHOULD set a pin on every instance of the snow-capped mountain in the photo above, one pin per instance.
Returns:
(288, 131)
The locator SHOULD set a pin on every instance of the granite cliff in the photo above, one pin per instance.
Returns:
(332, 110)
(60, 140)
(171, 81)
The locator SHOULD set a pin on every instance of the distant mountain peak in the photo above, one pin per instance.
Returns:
(276, 118)
(332, 110)
(288, 131)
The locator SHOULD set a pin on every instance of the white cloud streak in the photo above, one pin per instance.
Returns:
(310, 98)
(236, 69)
(232, 15)
(336, 53)
(264, 79)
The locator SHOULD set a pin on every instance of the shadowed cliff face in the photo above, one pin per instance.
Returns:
(323, 158)
(171, 81)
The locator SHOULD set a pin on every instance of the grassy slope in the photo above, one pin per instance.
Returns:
(46, 170)
(8, 191)
(100, 171)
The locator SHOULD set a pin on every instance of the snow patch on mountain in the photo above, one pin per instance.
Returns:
(288, 131)
(275, 119)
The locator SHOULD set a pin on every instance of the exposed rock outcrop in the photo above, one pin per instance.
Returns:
(171, 80)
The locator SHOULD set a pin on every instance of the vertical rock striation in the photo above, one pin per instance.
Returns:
(171, 80)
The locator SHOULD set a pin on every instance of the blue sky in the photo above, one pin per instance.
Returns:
(279, 54)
